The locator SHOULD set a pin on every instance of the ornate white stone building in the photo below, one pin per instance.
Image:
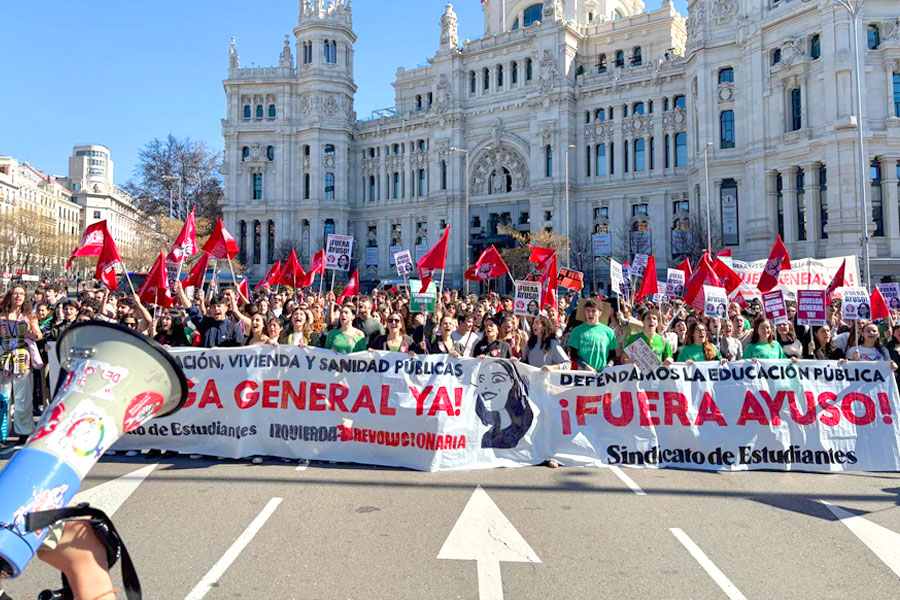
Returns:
(629, 100)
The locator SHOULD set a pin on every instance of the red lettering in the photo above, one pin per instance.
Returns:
(457, 400)
(384, 409)
(709, 411)
(831, 415)
(210, 395)
(752, 410)
(675, 405)
(583, 407)
(441, 403)
(775, 404)
(885, 404)
(847, 407)
(808, 417)
(336, 395)
(317, 396)
(364, 400)
(288, 393)
(270, 394)
(647, 408)
(627, 410)
(420, 398)
(245, 401)
(191, 398)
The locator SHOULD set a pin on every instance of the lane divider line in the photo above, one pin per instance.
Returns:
(709, 566)
(627, 480)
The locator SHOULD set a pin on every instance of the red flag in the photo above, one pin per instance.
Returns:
(837, 282)
(198, 272)
(91, 241)
(548, 284)
(879, 306)
(244, 290)
(434, 259)
(648, 285)
(292, 274)
(730, 280)
(220, 243)
(155, 289)
(685, 267)
(106, 264)
(778, 260)
(351, 289)
(271, 278)
(488, 266)
(186, 243)
(721, 253)
(704, 275)
(540, 255)
(318, 263)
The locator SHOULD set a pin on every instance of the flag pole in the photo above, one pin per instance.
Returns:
(235, 283)
(441, 286)
(333, 273)
(131, 285)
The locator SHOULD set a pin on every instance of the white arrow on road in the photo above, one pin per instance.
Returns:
(483, 534)
(109, 496)
(880, 540)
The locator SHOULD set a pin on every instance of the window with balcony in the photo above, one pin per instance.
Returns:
(601, 63)
(636, 56)
(259, 111)
(620, 59)
(247, 113)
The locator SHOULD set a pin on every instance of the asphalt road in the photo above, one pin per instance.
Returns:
(203, 529)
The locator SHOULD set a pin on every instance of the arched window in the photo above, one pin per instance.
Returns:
(270, 152)
(514, 25)
(620, 59)
(726, 129)
(548, 161)
(259, 111)
(579, 70)
(329, 186)
(499, 76)
(271, 111)
(873, 37)
(271, 250)
(472, 82)
(599, 115)
(245, 152)
(726, 75)
(329, 149)
(515, 73)
(640, 160)
(681, 149)
(636, 56)
(601, 63)
(776, 56)
(638, 108)
(815, 47)
(679, 101)
(326, 50)
(528, 70)
(334, 52)
(246, 111)
(418, 102)
(532, 14)
(618, 15)
(650, 106)
(486, 75)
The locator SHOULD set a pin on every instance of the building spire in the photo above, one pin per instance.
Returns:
(287, 59)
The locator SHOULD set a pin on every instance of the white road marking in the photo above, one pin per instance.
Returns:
(111, 495)
(218, 569)
(484, 534)
(880, 540)
(304, 464)
(709, 566)
(627, 480)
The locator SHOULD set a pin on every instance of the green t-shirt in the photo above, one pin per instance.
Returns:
(764, 350)
(694, 352)
(343, 343)
(658, 344)
(594, 344)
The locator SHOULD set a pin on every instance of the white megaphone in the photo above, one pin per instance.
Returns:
(112, 382)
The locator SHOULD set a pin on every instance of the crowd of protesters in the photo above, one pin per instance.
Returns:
(584, 333)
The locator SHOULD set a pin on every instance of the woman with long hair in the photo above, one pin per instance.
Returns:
(19, 330)
(443, 343)
(543, 349)
(762, 342)
(345, 338)
(729, 346)
(168, 329)
(700, 349)
(787, 337)
(491, 344)
(823, 345)
(299, 331)
(870, 347)
(394, 339)
(257, 334)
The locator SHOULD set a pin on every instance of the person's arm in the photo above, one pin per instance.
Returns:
(34, 329)
(582, 365)
(146, 317)
(182, 297)
(244, 319)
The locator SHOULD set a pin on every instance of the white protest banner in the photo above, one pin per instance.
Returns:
(423, 412)
(811, 307)
(601, 244)
(527, 302)
(421, 250)
(404, 263)
(616, 277)
(626, 279)
(392, 252)
(337, 252)
(639, 264)
(891, 294)
(716, 302)
(674, 283)
(643, 356)
(774, 306)
(804, 273)
(855, 304)
(371, 256)
(660, 297)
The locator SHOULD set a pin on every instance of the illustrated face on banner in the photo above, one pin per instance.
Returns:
(773, 267)
(502, 404)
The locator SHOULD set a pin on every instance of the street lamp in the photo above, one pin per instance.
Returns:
(854, 8)
(568, 236)
(466, 229)
(708, 216)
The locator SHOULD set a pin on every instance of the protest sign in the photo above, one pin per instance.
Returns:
(626, 279)
(404, 263)
(392, 252)
(660, 296)
(422, 301)
(601, 244)
(371, 256)
(807, 273)
(643, 356)
(571, 279)
(674, 283)
(891, 294)
(716, 302)
(527, 302)
(337, 252)
(616, 277)
(811, 307)
(639, 264)
(774, 306)
(855, 304)
(422, 412)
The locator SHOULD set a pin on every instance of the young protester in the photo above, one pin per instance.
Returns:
(395, 339)
(701, 348)
(650, 335)
(543, 349)
(491, 344)
(591, 344)
(346, 338)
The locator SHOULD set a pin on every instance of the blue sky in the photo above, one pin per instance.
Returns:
(121, 72)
